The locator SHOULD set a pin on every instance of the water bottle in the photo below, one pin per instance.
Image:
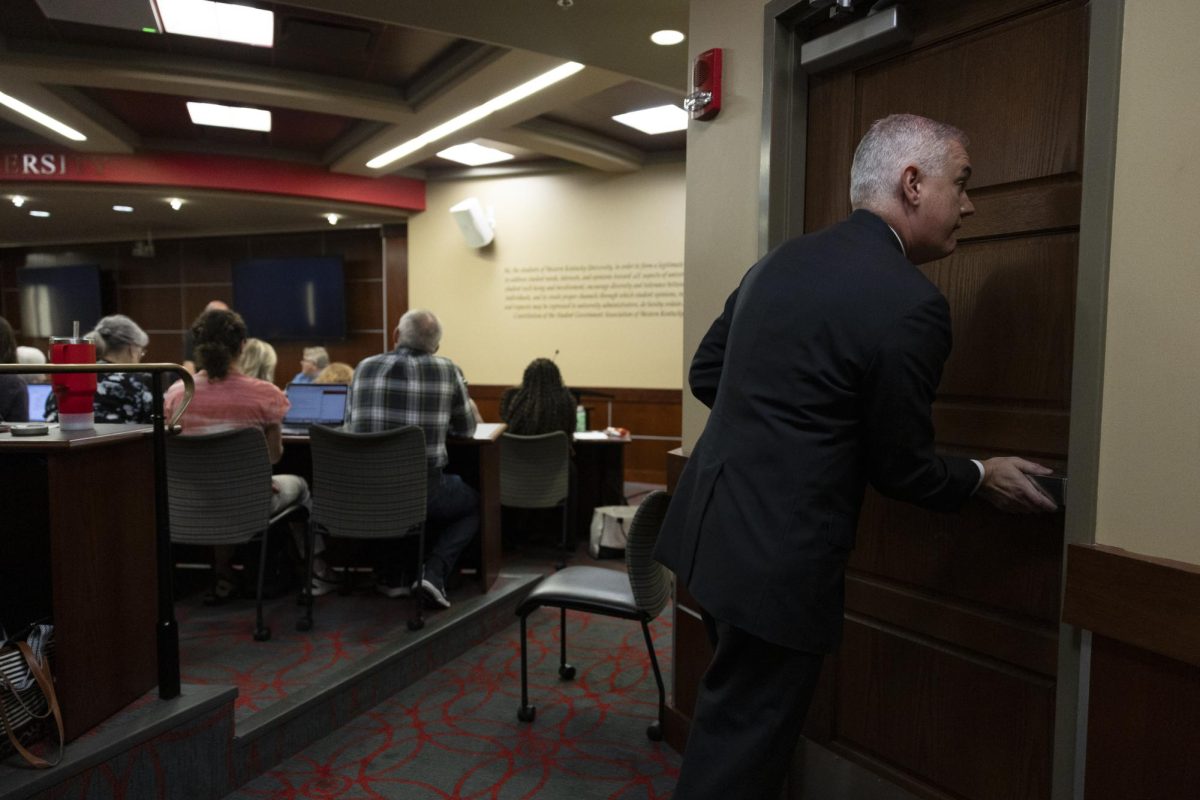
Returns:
(580, 419)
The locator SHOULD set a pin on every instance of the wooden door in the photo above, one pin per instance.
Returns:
(945, 682)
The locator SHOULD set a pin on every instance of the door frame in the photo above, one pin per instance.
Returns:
(781, 196)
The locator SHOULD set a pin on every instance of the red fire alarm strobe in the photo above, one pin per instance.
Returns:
(705, 99)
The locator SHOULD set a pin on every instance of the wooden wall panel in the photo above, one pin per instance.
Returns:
(976, 556)
(1143, 722)
(1012, 308)
(645, 412)
(1028, 72)
(164, 294)
(993, 722)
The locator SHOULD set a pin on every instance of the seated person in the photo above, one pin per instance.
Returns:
(541, 404)
(120, 396)
(258, 360)
(226, 399)
(411, 385)
(312, 362)
(33, 357)
(336, 372)
(14, 399)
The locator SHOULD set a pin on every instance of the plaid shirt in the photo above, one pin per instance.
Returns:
(408, 387)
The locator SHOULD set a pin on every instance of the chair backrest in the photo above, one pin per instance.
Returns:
(369, 485)
(650, 580)
(534, 470)
(218, 486)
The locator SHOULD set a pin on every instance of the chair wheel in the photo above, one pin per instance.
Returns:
(566, 672)
(262, 634)
(526, 713)
(416, 624)
(654, 732)
(304, 624)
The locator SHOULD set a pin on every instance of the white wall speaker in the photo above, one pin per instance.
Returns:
(475, 226)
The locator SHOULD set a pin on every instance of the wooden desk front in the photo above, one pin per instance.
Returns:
(79, 547)
(476, 459)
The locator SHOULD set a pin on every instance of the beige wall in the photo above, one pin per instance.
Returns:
(1149, 478)
(630, 222)
(723, 206)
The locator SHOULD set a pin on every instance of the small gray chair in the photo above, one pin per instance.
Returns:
(535, 472)
(639, 594)
(367, 486)
(219, 493)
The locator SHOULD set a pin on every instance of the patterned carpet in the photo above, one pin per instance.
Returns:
(455, 734)
(216, 647)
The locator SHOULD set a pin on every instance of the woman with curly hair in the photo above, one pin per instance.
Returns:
(541, 404)
(226, 398)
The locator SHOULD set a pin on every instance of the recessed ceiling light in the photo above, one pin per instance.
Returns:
(240, 117)
(660, 119)
(332, 218)
(175, 203)
(474, 155)
(26, 110)
(18, 200)
(224, 21)
(667, 37)
(123, 209)
(464, 119)
(36, 213)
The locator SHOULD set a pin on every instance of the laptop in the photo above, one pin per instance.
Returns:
(38, 392)
(314, 404)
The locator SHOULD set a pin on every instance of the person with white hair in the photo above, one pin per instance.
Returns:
(821, 373)
(120, 396)
(35, 358)
(312, 361)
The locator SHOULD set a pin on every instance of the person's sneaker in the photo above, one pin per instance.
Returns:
(322, 586)
(391, 586)
(433, 589)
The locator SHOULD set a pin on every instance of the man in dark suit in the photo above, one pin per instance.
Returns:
(820, 373)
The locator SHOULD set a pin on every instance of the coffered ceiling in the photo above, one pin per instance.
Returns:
(345, 80)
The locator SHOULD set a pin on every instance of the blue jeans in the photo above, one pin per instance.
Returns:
(452, 517)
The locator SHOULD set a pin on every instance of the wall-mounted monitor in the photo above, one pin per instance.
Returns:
(291, 298)
(52, 298)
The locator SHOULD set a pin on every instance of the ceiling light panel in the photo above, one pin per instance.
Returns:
(660, 119)
(26, 110)
(474, 155)
(543, 81)
(223, 21)
(240, 117)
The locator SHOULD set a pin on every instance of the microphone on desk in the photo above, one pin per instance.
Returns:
(555, 356)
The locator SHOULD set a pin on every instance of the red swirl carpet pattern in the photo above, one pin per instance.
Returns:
(455, 733)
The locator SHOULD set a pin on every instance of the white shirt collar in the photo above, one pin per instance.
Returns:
(898, 239)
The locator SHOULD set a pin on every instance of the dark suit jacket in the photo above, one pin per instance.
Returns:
(820, 374)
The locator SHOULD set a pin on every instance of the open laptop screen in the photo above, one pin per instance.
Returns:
(316, 403)
(38, 392)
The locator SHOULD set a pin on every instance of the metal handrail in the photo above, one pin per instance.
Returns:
(167, 629)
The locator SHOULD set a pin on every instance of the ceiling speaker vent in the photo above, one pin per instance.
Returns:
(305, 34)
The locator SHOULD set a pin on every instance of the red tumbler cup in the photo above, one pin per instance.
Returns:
(75, 392)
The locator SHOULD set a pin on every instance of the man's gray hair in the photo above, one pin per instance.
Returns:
(420, 330)
(115, 332)
(319, 356)
(891, 144)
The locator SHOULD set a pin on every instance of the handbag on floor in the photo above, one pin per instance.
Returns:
(609, 531)
(27, 698)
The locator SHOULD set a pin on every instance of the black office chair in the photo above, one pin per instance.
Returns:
(367, 486)
(219, 493)
(641, 595)
(535, 472)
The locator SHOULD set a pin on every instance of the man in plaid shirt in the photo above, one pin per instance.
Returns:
(412, 386)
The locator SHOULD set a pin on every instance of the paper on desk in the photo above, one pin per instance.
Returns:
(591, 435)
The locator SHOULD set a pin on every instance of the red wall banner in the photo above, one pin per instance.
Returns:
(200, 171)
